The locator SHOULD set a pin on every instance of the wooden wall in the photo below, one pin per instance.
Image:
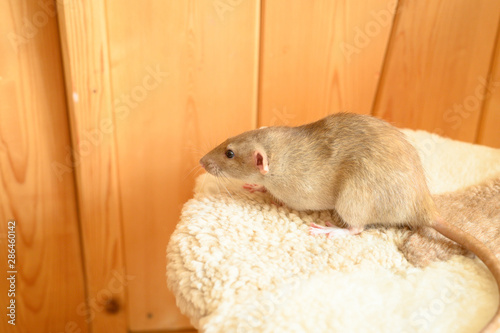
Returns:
(136, 92)
(436, 75)
(34, 135)
(189, 78)
(316, 58)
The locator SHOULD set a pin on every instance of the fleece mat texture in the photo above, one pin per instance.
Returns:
(238, 263)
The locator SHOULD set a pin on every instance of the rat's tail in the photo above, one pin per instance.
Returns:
(482, 252)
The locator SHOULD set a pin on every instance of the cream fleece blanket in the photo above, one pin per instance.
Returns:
(238, 263)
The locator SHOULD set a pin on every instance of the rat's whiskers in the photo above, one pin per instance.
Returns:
(194, 169)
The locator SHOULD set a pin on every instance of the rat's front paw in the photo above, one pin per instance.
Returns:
(254, 188)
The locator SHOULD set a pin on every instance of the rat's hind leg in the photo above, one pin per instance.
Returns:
(357, 206)
(332, 231)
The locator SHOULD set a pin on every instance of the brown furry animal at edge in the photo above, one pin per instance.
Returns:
(358, 165)
(475, 209)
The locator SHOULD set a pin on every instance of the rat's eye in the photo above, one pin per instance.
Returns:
(229, 154)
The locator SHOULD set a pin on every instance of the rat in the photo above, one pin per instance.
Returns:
(464, 208)
(358, 165)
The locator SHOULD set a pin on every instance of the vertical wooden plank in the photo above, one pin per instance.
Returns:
(49, 283)
(437, 66)
(321, 57)
(184, 78)
(489, 128)
(85, 51)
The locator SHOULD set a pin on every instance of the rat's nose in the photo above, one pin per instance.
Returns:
(202, 164)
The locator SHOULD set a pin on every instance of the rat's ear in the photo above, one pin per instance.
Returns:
(260, 160)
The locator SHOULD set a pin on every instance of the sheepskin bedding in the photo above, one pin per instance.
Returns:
(239, 263)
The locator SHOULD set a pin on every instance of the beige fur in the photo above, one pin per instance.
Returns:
(237, 263)
(475, 209)
(359, 165)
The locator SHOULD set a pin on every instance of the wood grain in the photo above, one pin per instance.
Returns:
(489, 130)
(50, 293)
(184, 78)
(85, 50)
(321, 57)
(152, 85)
(437, 65)
(168, 331)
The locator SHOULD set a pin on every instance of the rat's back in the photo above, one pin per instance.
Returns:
(364, 168)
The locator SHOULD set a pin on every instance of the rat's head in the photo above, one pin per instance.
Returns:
(240, 157)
